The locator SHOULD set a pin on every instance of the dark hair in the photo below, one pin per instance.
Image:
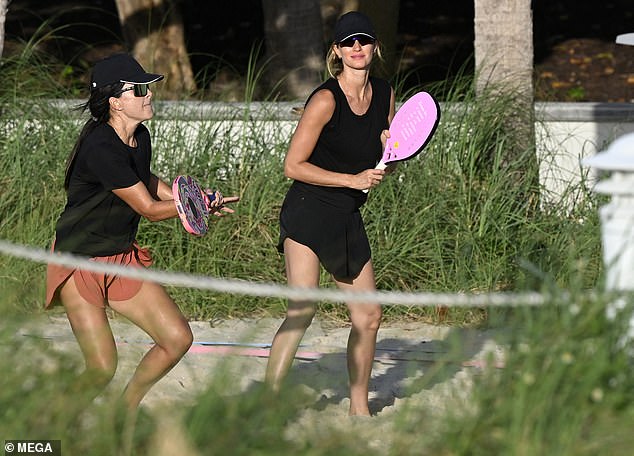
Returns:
(99, 106)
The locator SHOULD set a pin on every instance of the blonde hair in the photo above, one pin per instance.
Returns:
(333, 62)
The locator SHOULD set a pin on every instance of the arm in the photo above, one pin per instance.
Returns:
(390, 116)
(296, 166)
(159, 189)
(139, 198)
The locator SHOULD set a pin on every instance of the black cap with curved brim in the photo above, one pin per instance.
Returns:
(351, 24)
(120, 68)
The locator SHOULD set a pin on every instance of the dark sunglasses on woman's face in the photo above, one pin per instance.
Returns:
(140, 90)
(362, 39)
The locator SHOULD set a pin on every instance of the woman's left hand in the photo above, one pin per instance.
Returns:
(384, 135)
(391, 166)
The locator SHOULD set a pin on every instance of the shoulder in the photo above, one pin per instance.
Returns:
(380, 81)
(329, 86)
(101, 146)
(102, 136)
(322, 102)
(322, 97)
(102, 131)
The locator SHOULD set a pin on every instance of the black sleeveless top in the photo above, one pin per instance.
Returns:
(327, 219)
(350, 143)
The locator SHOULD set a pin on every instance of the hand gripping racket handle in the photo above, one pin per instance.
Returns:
(210, 197)
(379, 165)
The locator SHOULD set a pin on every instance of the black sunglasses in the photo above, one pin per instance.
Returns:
(140, 90)
(362, 39)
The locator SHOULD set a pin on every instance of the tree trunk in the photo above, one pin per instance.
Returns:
(294, 45)
(4, 4)
(504, 65)
(504, 45)
(154, 31)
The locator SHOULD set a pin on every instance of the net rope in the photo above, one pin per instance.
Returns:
(264, 289)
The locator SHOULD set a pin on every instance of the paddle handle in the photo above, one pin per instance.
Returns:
(379, 165)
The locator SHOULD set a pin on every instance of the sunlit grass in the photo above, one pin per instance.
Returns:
(454, 219)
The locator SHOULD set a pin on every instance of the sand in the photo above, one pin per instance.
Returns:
(407, 355)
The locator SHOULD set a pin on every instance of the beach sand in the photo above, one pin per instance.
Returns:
(416, 364)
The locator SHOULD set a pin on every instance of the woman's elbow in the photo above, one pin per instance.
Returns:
(289, 171)
(153, 218)
(151, 214)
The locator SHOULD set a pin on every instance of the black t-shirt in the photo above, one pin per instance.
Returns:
(96, 222)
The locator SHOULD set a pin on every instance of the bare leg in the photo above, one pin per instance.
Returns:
(302, 270)
(92, 330)
(366, 319)
(154, 311)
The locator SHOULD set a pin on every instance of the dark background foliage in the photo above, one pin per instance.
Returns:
(576, 58)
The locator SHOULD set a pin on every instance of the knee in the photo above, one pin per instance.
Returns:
(179, 341)
(368, 319)
(374, 319)
(101, 373)
(301, 316)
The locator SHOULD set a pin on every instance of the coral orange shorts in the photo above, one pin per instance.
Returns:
(96, 287)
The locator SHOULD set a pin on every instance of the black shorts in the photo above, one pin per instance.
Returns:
(337, 236)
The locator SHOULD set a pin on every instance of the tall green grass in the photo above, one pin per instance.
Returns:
(454, 219)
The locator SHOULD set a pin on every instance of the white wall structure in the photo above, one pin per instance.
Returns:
(566, 133)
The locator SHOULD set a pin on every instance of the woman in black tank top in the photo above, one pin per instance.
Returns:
(331, 159)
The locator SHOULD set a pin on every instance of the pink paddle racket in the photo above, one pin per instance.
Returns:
(192, 204)
(411, 129)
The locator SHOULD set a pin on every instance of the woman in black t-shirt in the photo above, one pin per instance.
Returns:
(109, 188)
(331, 157)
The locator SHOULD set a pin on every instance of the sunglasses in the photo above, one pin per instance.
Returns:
(140, 90)
(362, 39)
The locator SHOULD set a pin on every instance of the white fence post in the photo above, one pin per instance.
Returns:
(617, 221)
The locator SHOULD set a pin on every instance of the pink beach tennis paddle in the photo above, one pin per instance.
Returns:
(413, 126)
(411, 129)
(192, 204)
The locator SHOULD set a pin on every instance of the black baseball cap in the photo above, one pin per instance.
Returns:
(120, 68)
(351, 24)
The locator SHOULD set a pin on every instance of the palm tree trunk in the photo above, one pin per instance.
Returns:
(504, 44)
(504, 66)
(155, 33)
(4, 4)
(294, 45)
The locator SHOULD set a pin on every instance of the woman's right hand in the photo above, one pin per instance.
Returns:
(368, 178)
